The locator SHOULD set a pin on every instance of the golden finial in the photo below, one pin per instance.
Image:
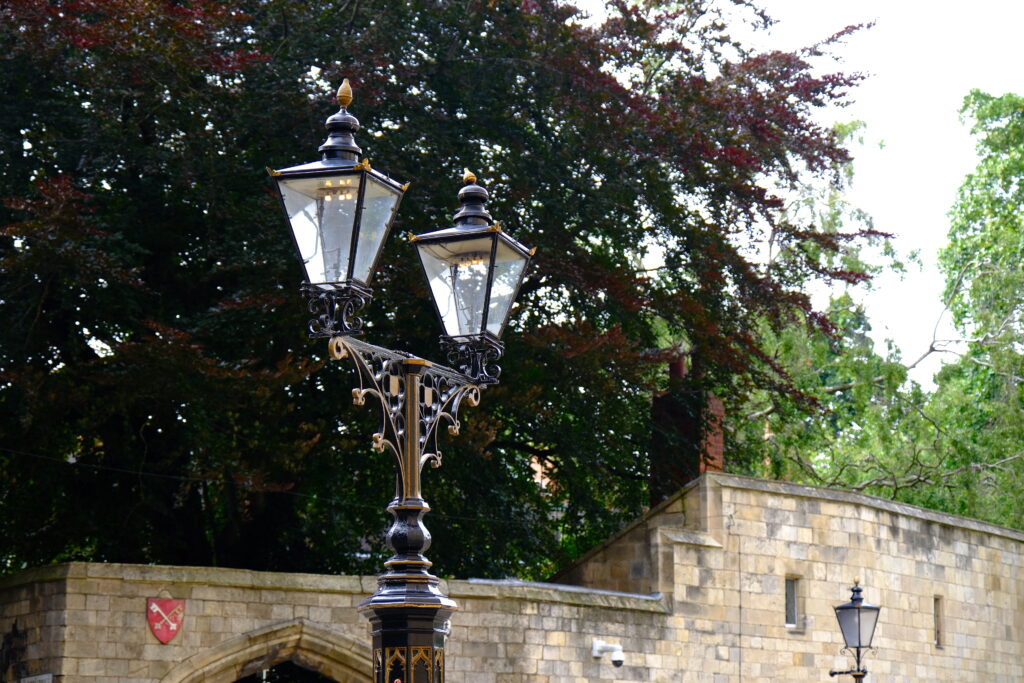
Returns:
(468, 176)
(856, 581)
(344, 94)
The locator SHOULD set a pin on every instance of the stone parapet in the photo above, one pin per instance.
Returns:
(693, 591)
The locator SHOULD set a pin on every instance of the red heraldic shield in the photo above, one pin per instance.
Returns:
(165, 617)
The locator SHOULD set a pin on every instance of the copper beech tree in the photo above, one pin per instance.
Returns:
(160, 400)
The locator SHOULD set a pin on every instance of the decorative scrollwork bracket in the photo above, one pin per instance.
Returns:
(859, 671)
(476, 357)
(335, 307)
(416, 398)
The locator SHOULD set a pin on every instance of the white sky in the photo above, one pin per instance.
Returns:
(921, 58)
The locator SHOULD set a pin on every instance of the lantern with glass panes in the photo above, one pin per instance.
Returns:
(857, 620)
(340, 211)
(474, 270)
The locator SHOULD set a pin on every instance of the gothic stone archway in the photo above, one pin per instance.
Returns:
(314, 646)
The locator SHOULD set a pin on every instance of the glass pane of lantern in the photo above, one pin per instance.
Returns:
(868, 620)
(379, 204)
(508, 270)
(457, 273)
(321, 212)
(849, 623)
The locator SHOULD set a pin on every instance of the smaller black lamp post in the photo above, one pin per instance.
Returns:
(857, 620)
(340, 211)
(474, 270)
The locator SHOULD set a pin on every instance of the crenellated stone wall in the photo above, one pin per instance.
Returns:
(694, 591)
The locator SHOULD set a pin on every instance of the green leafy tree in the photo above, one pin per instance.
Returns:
(159, 400)
(985, 285)
(957, 448)
(980, 394)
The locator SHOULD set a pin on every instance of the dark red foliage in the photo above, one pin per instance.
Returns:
(139, 28)
(150, 317)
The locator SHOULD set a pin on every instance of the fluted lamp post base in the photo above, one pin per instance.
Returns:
(408, 640)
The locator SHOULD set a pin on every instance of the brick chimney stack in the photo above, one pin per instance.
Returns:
(687, 434)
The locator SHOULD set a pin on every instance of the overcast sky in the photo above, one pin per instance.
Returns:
(921, 59)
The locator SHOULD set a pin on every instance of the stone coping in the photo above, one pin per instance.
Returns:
(209, 576)
(514, 589)
(326, 583)
(737, 481)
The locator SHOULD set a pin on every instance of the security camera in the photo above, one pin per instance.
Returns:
(614, 651)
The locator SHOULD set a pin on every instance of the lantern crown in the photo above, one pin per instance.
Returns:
(340, 145)
(472, 199)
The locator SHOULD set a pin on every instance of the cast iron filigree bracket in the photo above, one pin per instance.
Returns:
(475, 357)
(335, 306)
(859, 672)
(416, 397)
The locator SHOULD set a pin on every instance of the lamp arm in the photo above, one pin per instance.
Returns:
(858, 671)
(409, 390)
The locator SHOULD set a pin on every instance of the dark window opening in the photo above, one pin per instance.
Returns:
(792, 613)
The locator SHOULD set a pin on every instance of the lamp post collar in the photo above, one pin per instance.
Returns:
(341, 127)
(472, 199)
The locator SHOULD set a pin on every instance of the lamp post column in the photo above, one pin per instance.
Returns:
(409, 615)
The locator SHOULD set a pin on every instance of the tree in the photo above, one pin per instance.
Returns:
(154, 370)
(955, 449)
(985, 287)
(981, 392)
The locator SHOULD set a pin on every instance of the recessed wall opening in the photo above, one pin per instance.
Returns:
(793, 619)
(937, 620)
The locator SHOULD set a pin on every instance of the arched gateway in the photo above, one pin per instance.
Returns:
(311, 645)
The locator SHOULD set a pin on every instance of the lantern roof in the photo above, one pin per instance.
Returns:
(339, 152)
(472, 219)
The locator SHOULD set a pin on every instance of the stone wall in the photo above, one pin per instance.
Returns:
(704, 578)
(733, 542)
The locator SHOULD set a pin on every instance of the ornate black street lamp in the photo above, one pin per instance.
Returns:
(340, 211)
(857, 620)
(474, 271)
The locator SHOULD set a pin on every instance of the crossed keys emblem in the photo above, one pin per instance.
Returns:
(164, 617)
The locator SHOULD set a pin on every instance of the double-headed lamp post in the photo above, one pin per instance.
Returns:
(340, 211)
(857, 620)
